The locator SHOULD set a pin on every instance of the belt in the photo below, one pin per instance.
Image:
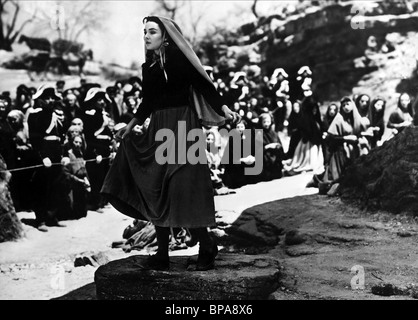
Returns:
(52, 138)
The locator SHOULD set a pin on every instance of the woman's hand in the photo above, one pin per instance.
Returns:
(122, 133)
(231, 115)
(273, 145)
(351, 138)
(248, 160)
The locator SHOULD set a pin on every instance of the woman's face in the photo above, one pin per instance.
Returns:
(378, 105)
(332, 111)
(266, 123)
(364, 101)
(210, 139)
(240, 127)
(153, 36)
(347, 106)
(77, 122)
(404, 100)
(78, 142)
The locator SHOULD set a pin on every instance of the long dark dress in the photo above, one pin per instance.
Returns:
(272, 158)
(168, 195)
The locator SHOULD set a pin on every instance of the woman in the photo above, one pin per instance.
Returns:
(363, 104)
(343, 141)
(329, 116)
(177, 93)
(214, 162)
(402, 117)
(308, 155)
(293, 130)
(77, 173)
(273, 149)
(377, 124)
(234, 174)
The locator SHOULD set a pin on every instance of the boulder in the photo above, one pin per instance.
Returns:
(387, 178)
(235, 277)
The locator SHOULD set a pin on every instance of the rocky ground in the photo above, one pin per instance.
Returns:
(319, 241)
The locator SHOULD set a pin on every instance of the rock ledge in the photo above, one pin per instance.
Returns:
(235, 277)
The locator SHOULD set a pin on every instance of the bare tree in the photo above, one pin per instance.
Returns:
(10, 28)
(191, 13)
(254, 8)
(169, 7)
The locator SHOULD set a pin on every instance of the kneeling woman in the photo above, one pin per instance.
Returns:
(179, 193)
(308, 155)
(344, 143)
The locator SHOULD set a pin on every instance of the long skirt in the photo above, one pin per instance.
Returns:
(307, 157)
(141, 186)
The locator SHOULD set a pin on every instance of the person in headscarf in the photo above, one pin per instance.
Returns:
(234, 173)
(377, 126)
(293, 130)
(402, 116)
(273, 149)
(308, 155)
(343, 138)
(77, 173)
(363, 104)
(178, 96)
(329, 116)
(24, 157)
(6, 134)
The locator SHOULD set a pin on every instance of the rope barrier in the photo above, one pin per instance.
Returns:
(52, 164)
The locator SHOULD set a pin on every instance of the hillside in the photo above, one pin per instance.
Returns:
(332, 41)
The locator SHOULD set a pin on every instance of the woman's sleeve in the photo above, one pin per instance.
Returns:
(144, 110)
(213, 97)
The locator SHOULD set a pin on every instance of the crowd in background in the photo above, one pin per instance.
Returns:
(58, 142)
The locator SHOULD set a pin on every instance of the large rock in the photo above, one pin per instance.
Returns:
(235, 277)
(387, 178)
(10, 226)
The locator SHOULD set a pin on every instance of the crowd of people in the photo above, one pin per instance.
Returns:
(59, 142)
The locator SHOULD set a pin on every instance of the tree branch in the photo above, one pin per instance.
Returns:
(13, 24)
(254, 8)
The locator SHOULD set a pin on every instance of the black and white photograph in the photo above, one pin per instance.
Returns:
(209, 155)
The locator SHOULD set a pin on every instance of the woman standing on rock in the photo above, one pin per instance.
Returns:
(175, 193)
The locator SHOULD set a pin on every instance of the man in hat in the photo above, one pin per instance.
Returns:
(99, 139)
(45, 123)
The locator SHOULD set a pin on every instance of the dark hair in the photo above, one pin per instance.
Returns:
(376, 116)
(171, 45)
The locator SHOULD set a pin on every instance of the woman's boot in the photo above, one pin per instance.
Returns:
(160, 260)
(208, 249)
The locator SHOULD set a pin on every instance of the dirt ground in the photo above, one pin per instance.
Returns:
(337, 237)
